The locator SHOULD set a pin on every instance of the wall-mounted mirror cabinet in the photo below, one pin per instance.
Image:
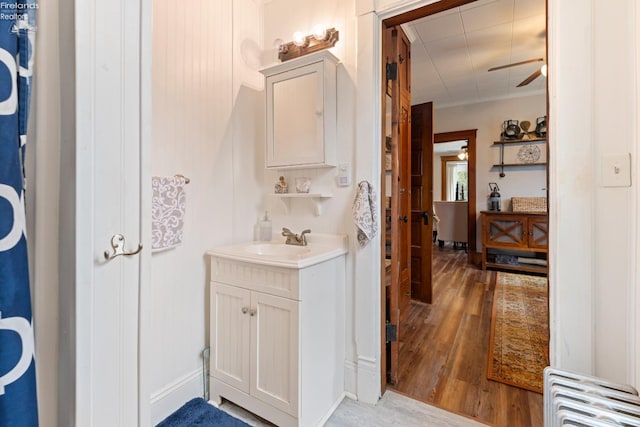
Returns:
(301, 112)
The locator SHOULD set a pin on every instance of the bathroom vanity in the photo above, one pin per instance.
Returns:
(277, 332)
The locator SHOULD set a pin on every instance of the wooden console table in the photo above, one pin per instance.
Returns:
(523, 235)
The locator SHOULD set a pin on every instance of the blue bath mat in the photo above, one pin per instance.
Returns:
(198, 413)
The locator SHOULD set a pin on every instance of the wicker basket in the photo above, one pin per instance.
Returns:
(529, 204)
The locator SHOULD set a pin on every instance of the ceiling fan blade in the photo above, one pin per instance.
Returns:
(531, 78)
(516, 63)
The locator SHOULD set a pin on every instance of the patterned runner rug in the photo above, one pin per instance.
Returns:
(519, 343)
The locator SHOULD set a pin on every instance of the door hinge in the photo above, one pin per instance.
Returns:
(391, 332)
(392, 71)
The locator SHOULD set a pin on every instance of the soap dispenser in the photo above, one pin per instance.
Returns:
(265, 228)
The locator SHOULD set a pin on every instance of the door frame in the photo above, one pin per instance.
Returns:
(470, 135)
(134, 130)
(384, 24)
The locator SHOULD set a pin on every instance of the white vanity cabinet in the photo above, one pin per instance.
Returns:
(301, 112)
(277, 338)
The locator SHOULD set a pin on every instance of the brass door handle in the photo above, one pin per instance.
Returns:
(117, 244)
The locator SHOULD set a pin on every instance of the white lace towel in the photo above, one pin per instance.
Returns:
(365, 214)
(167, 211)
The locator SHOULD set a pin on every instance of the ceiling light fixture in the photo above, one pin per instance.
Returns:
(543, 70)
(320, 39)
(464, 153)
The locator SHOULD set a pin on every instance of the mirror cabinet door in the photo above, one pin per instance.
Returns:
(301, 112)
(297, 118)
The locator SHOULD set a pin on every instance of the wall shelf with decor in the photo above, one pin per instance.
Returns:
(316, 200)
(528, 154)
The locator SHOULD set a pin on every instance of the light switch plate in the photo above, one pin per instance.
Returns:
(344, 175)
(616, 170)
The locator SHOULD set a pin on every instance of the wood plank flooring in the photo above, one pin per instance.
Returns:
(444, 347)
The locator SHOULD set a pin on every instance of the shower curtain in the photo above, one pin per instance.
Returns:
(18, 404)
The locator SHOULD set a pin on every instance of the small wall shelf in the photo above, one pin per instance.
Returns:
(506, 165)
(520, 141)
(315, 198)
(530, 140)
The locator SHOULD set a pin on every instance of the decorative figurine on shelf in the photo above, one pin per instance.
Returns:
(510, 130)
(525, 125)
(281, 186)
(303, 184)
(541, 126)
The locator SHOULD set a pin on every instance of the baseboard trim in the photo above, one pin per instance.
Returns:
(351, 379)
(368, 380)
(169, 398)
(333, 408)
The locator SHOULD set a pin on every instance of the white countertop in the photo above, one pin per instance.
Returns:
(320, 247)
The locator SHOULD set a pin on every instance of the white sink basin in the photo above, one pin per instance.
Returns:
(277, 253)
(275, 249)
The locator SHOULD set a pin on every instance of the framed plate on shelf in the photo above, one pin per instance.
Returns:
(529, 153)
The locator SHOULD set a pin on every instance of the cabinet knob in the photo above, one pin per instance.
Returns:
(245, 310)
(252, 312)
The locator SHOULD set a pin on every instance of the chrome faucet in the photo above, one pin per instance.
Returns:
(294, 239)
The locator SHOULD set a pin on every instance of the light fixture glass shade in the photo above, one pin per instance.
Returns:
(299, 39)
(464, 153)
(319, 32)
(543, 70)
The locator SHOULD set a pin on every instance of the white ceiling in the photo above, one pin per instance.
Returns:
(452, 51)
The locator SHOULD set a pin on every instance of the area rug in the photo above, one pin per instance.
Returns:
(519, 342)
(198, 413)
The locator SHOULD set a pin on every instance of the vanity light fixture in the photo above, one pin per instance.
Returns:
(301, 45)
(464, 153)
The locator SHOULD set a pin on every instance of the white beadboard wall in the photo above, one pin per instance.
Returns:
(206, 109)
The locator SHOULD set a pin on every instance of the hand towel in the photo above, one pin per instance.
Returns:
(365, 213)
(168, 205)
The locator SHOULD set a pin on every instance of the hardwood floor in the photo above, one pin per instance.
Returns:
(444, 347)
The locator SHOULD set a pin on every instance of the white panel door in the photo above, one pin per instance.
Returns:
(230, 313)
(274, 363)
(108, 193)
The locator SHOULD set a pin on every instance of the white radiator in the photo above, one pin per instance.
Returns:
(572, 399)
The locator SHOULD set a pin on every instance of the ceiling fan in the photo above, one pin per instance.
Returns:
(532, 77)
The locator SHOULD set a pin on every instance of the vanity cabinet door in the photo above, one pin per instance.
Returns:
(230, 335)
(274, 364)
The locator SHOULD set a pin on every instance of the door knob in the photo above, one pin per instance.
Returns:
(425, 217)
(117, 244)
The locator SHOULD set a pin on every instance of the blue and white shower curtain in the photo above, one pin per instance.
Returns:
(18, 404)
